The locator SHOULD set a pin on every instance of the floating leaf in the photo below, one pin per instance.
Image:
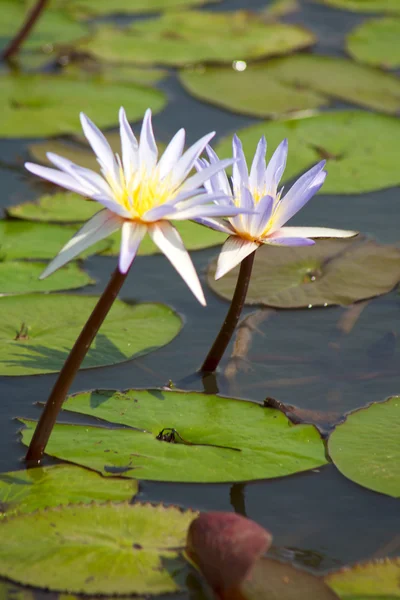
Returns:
(91, 8)
(330, 272)
(375, 580)
(365, 448)
(360, 148)
(97, 549)
(44, 487)
(187, 37)
(376, 42)
(41, 105)
(366, 6)
(216, 439)
(114, 73)
(38, 240)
(37, 332)
(281, 8)
(23, 278)
(292, 84)
(53, 27)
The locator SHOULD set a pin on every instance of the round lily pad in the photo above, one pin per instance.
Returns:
(183, 436)
(376, 42)
(41, 105)
(17, 277)
(366, 6)
(22, 239)
(360, 148)
(44, 487)
(92, 8)
(53, 27)
(329, 272)
(97, 549)
(187, 37)
(38, 331)
(293, 83)
(365, 448)
(375, 580)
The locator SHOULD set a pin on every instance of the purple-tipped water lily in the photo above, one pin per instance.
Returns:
(258, 191)
(140, 194)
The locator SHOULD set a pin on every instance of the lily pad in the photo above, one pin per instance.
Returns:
(375, 580)
(72, 549)
(22, 239)
(37, 332)
(42, 105)
(330, 272)
(53, 27)
(63, 207)
(360, 148)
(93, 8)
(216, 439)
(376, 42)
(366, 6)
(293, 83)
(187, 37)
(45, 487)
(23, 277)
(365, 447)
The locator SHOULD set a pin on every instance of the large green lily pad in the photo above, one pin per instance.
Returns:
(376, 42)
(360, 148)
(22, 239)
(365, 448)
(53, 27)
(38, 331)
(91, 8)
(97, 549)
(188, 37)
(292, 84)
(330, 272)
(17, 277)
(375, 580)
(41, 105)
(366, 6)
(45, 487)
(217, 439)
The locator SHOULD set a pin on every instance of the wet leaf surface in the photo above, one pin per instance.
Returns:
(329, 272)
(375, 42)
(72, 548)
(90, 8)
(203, 438)
(375, 580)
(37, 332)
(45, 487)
(360, 148)
(365, 448)
(188, 37)
(23, 278)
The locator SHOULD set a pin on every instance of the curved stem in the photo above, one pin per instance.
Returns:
(67, 374)
(231, 320)
(23, 33)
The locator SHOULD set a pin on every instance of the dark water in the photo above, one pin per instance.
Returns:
(319, 519)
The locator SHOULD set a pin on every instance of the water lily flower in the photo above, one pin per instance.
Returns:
(268, 209)
(140, 194)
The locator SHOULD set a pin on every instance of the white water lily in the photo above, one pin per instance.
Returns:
(267, 209)
(139, 194)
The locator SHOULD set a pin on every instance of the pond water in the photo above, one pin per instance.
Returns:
(319, 519)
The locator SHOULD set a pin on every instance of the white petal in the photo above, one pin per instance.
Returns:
(165, 236)
(240, 175)
(131, 236)
(208, 210)
(187, 161)
(59, 178)
(87, 177)
(100, 147)
(97, 228)
(216, 224)
(129, 146)
(257, 171)
(201, 176)
(276, 168)
(220, 180)
(234, 250)
(112, 205)
(172, 153)
(148, 151)
(314, 232)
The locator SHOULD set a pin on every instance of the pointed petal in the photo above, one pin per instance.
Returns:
(172, 153)
(288, 241)
(131, 236)
(259, 221)
(234, 250)
(100, 147)
(187, 161)
(275, 168)
(59, 178)
(129, 146)
(112, 205)
(242, 221)
(240, 175)
(257, 171)
(207, 210)
(87, 177)
(166, 237)
(148, 151)
(164, 211)
(97, 228)
(201, 176)
(314, 232)
(216, 224)
(220, 180)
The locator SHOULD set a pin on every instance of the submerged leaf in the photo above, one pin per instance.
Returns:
(360, 148)
(375, 580)
(38, 331)
(376, 42)
(365, 448)
(97, 548)
(183, 436)
(23, 277)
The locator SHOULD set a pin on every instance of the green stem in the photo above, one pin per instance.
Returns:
(231, 320)
(67, 374)
(23, 33)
